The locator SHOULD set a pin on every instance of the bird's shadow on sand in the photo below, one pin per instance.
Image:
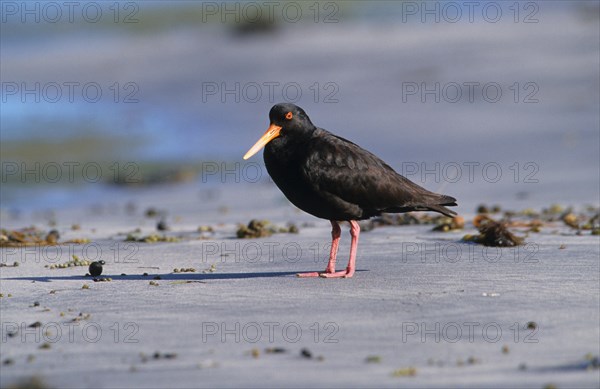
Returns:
(165, 277)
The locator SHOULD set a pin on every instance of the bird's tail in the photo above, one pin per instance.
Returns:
(439, 203)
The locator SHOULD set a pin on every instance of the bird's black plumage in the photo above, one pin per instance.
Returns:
(333, 178)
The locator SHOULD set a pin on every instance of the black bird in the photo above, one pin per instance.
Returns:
(335, 179)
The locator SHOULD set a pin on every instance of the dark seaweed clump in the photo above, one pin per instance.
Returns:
(493, 233)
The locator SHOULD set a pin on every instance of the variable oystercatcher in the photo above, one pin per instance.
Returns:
(335, 179)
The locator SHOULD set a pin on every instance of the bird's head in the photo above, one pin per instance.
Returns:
(285, 119)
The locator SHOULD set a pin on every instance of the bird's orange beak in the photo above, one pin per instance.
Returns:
(271, 133)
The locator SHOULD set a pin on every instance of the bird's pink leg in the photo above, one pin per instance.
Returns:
(349, 272)
(336, 232)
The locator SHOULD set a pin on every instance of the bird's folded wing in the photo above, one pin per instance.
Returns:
(354, 175)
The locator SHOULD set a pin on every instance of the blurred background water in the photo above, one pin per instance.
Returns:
(125, 93)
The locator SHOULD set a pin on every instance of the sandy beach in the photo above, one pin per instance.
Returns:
(191, 304)
(423, 310)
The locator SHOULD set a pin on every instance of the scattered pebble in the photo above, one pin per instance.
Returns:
(306, 353)
(152, 238)
(275, 350)
(85, 286)
(75, 261)
(505, 349)
(153, 283)
(158, 355)
(95, 268)
(473, 360)
(405, 372)
(102, 279)
(45, 346)
(255, 353)
(162, 226)
(531, 325)
(522, 366)
(151, 212)
(373, 359)
(184, 270)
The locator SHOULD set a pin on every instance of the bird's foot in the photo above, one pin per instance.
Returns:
(348, 273)
(306, 275)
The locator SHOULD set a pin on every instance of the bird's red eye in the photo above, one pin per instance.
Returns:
(289, 116)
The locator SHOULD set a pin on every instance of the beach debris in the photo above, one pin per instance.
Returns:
(447, 224)
(153, 283)
(152, 238)
(483, 208)
(405, 372)
(151, 212)
(102, 279)
(493, 233)
(159, 355)
(211, 269)
(473, 360)
(306, 353)
(275, 350)
(531, 325)
(255, 229)
(45, 346)
(184, 270)
(52, 237)
(36, 324)
(255, 353)
(31, 236)
(205, 229)
(373, 359)
(85, 286)
(522, 366)
(263, 228)
(15, 264)
(75, 261)
(490, 294)
(95, 268)
(593, 362)
(571, 220)
(505, 349)
(162, 225)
